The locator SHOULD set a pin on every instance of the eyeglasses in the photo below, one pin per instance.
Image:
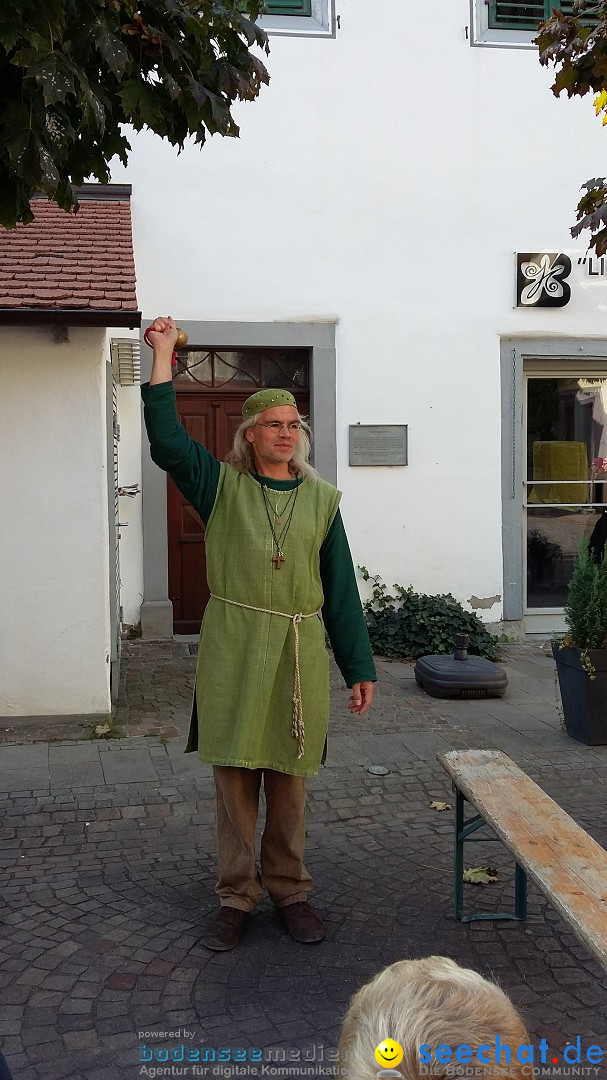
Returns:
(275, 426)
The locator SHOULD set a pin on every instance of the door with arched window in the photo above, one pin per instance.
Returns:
(211, 387)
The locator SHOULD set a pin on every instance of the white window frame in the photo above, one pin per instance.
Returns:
(321, 23)
(482, 34)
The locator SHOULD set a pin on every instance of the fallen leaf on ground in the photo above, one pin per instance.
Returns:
(440, 805)
(103, 729)
(480, 875)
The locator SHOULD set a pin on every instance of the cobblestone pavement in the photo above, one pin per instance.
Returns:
(107, 856)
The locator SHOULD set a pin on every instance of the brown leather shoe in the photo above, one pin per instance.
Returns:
(302, 922)
(224, 929)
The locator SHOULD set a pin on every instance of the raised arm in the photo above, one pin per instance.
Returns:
(162, 336)
(192, 467)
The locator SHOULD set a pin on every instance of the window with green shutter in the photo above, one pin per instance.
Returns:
(289, 7)
(519, 15)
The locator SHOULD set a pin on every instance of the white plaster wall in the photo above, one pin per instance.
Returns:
(386, 178)
(130, 508)
(54, 633)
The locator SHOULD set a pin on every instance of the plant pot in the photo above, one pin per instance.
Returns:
(584, 699)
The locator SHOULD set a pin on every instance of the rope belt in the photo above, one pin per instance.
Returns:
(297, 726)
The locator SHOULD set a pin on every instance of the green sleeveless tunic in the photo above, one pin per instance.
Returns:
(246, 658)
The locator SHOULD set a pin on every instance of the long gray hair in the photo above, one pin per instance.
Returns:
(241, 457)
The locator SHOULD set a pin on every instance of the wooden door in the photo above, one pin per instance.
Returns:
(212, 418)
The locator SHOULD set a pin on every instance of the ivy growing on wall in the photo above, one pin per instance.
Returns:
(406, 624)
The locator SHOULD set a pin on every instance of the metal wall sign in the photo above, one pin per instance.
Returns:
(378, 444)
(540, 279)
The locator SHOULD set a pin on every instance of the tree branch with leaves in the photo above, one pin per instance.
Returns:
(73, 73)
(576, 45)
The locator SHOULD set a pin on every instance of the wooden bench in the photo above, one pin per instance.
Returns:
(567, 865)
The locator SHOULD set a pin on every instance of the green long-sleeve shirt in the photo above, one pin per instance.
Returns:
(195, 471)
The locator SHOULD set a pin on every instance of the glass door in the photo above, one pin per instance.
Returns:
(565, 486)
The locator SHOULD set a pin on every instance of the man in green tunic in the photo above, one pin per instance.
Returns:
(277, 560)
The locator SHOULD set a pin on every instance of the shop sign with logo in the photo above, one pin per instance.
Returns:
(543, 278)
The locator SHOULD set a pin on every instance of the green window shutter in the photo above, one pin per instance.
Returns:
(515, 14)
(520, 15)
(289, 7)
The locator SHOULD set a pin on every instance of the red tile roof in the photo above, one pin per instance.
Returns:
(70, 261)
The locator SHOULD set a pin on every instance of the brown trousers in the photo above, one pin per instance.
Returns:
(282, 845)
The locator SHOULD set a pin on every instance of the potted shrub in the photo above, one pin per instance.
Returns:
(581, 656)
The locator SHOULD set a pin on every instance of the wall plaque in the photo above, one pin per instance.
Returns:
(378, 444)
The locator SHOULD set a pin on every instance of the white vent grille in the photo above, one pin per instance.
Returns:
(126, 361)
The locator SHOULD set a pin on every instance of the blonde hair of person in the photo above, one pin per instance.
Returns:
(431, 1002)
(241, 457)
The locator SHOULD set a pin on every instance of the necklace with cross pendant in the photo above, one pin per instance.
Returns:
(279, 558)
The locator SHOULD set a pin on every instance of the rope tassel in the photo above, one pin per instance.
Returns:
(297, 727)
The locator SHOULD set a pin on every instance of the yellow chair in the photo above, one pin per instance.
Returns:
(560, 461)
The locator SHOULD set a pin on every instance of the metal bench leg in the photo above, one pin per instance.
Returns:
(459, 856)
(520, 893)
(464, 830)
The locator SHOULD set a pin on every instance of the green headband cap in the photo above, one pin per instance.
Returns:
(266, 399)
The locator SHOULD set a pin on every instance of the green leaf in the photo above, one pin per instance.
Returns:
(129, 97)
(55, 77)
(34, 45)
(50, 172)
(14, 201)
(252, 34)
(480, 875)
(221, 113)
(10, 32)
(199, 93)
(23, 148)
(173, 88)
(113, 51)
(92, 101)
(65, 198)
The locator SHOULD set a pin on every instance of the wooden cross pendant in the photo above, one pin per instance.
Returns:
(278, 559)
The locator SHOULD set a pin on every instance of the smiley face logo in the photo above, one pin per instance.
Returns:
(388, 1053)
